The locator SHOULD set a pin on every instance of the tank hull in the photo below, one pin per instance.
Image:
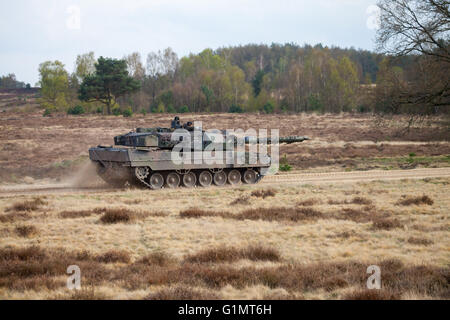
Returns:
(119, 165)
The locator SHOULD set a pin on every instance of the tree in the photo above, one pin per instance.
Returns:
(109, 82)
(10, 82)
(54, 84)
(420, 27)
(415, 26)
(85, 65)
(257, 82)
(135, 66)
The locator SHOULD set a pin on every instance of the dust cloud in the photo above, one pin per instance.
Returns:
(84, 177)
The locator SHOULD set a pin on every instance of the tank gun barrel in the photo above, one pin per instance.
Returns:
(268, 140)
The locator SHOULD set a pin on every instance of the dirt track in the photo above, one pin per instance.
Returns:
(356, 176)
(325, 177)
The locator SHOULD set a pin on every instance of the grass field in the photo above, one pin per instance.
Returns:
(50, 147)
(281, 241)
(296, 241)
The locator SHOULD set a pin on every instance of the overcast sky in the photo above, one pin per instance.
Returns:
(33, 31)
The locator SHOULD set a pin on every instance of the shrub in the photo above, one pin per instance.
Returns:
(116, 216)
(231, 254)
(416, 201)
(420, 241)
(264, 193)
(362, 200)
(156, 258)
(171, 109)
(386, 224)
(47, 112)
(114, 256)
(116, 111)
(127, 112)
(284, 165)
(371, 295)
(269, 108)
(30, 205)
(143, 111)
(184, 109)
(76, 110)
(160, 108)
(182, 293)
(235, 109)
(26, 231)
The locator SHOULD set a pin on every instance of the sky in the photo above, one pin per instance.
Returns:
(34, 31)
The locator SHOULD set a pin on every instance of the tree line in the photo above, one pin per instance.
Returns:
(10, 81)
(409, 74)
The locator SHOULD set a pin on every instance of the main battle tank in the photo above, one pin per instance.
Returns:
(146, 157)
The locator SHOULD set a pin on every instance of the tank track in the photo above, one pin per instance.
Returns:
(235, 180)
(118, 176)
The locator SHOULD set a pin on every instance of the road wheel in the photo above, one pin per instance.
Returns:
(205, 179)
(220, 178)
(189, 180)
(173, 180)
(250, 176)
(156, 181)
(234, 177)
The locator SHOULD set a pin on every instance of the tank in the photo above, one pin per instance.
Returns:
(145, 157)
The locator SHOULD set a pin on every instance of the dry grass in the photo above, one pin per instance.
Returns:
(123, 215)
(117, 216)
(422, 200)
(289, 214)
(160, 259)
(308, 202)
(265, 214)
(282, 296)
(371, 295)
(264, 193)
(72, 214)
(338, 140)
(386, 224)
(30, 205)
(12, 217)
(355, 200)
(88, 293)
(362, 201)
(26, 231)
(114, 256)
(35, 268)
(180, 292)
(420, 241)
(309, 243)
(230, 254)
(241, 201)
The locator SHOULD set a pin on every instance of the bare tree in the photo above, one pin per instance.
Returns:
(135, 66)
(420, 28)
(85, 65)
(415, 26)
